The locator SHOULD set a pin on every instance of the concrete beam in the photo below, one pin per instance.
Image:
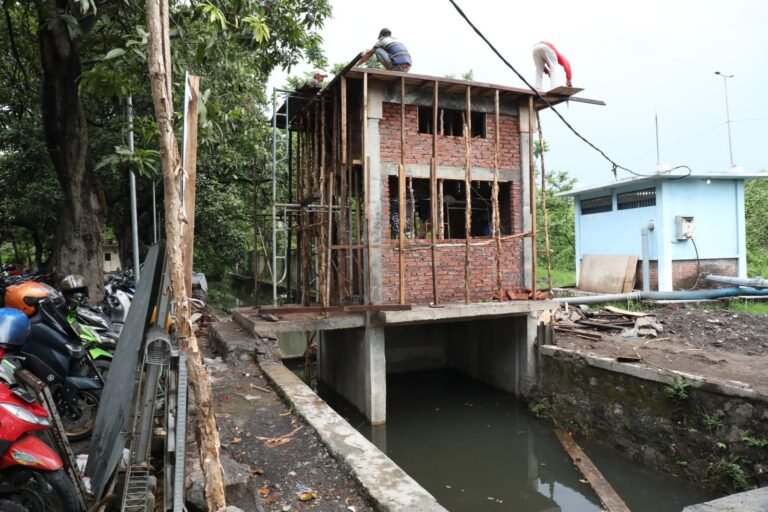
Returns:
(388, 486)
(721, 387)
(247, 319)
(459, 312)
(445, 172)
(750, 501)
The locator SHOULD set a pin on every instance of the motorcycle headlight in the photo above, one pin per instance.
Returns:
(25, 415)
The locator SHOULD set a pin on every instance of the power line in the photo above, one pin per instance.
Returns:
(551, 107)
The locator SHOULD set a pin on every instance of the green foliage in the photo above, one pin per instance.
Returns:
(753, 442)
(560, 278)
(539, 409)
(713, 422)
(755, 200)
(726, 473)
(678, 390)
(561, 222)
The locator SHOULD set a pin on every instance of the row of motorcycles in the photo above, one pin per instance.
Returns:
(68, 344)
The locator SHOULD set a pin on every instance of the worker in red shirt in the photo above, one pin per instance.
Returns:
(548, 60)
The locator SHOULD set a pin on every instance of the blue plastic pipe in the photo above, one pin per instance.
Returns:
(718, 293)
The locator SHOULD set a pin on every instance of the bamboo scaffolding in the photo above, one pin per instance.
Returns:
(468, 192)
(495, 198)
(544, 212)
(532, 194)
(359, 226)
(433, 195)
(401, 192)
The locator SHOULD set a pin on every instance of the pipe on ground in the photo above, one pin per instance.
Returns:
(718, 293)
(756, 282)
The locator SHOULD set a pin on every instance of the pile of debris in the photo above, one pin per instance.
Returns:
(594, 325)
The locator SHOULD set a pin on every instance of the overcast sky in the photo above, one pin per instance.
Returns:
(642, 59)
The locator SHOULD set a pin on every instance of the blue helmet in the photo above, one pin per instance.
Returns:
(14, 327)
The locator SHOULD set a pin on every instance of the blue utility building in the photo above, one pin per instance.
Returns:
(689, 225)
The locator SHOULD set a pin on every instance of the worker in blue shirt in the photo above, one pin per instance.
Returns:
(391, 53)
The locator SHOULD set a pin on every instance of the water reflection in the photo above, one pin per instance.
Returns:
(478, 449)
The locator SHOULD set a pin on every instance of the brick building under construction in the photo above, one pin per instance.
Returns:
(452, 158)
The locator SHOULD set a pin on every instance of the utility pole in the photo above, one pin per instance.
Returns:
(132, 183)
(727, 112)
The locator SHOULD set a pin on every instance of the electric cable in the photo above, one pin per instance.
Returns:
(615, 166)
(698, 266)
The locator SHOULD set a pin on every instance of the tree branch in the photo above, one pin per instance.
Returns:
(14, 48)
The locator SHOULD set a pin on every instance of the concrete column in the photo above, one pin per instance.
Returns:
(741, 229)
(376, 92)
(665, 237)
(525, 206)
(352, 363)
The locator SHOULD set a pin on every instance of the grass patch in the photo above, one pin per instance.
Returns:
(560, 278)
(752, 307)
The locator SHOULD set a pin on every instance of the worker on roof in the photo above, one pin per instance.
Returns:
(391, 53)
(548, 60)
(315, 83)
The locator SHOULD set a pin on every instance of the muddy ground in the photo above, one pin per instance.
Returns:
(707, 340)
(292, 470)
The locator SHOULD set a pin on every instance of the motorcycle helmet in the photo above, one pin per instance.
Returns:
(26, 296)
(14, 327)
(74, 288)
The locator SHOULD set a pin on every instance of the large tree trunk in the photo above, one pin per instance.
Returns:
(78, 237)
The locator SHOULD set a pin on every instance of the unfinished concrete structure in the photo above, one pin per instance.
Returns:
(414, 191)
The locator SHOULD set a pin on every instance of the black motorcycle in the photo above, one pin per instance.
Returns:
(56, 355)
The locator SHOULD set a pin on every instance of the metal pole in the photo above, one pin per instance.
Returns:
(274, 192)
(727, 112)
(132, 181)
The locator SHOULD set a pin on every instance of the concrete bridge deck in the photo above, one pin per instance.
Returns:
(493, 342)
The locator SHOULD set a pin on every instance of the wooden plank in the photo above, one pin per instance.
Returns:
(608, 496)
(367, 187)
(625, 312)
(601, 325)
(563, 91)
(366, 308)
(282, 310)
(344, 232)
(607, 273)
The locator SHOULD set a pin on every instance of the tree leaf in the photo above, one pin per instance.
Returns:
(112, 54)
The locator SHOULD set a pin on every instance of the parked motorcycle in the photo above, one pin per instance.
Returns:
(55, 353)
(118, 294)
(32, 476)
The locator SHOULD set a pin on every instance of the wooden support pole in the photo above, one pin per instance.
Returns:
(468, 192)
(495, 199)
(160, 68)
(545, 215)
(325, 200)
(433, 195)
(401, 193)
(343, 231)
(532, 194)
(358, 190)
(331, 191)
(367, 185)
(190, 172)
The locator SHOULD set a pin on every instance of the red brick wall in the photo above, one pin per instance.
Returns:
(684, 273)
(451, 151)
(450, 261)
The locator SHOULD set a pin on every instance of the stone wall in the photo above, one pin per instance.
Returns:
(696, 432)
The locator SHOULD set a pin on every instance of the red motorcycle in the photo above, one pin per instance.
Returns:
(32, 477)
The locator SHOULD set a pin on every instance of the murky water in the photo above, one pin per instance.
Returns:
(478, 449)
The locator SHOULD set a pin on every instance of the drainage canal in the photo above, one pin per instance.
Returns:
(476, 449)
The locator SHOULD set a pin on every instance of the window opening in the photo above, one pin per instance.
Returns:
(636, 199)
(596, 205)
(451, 122)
